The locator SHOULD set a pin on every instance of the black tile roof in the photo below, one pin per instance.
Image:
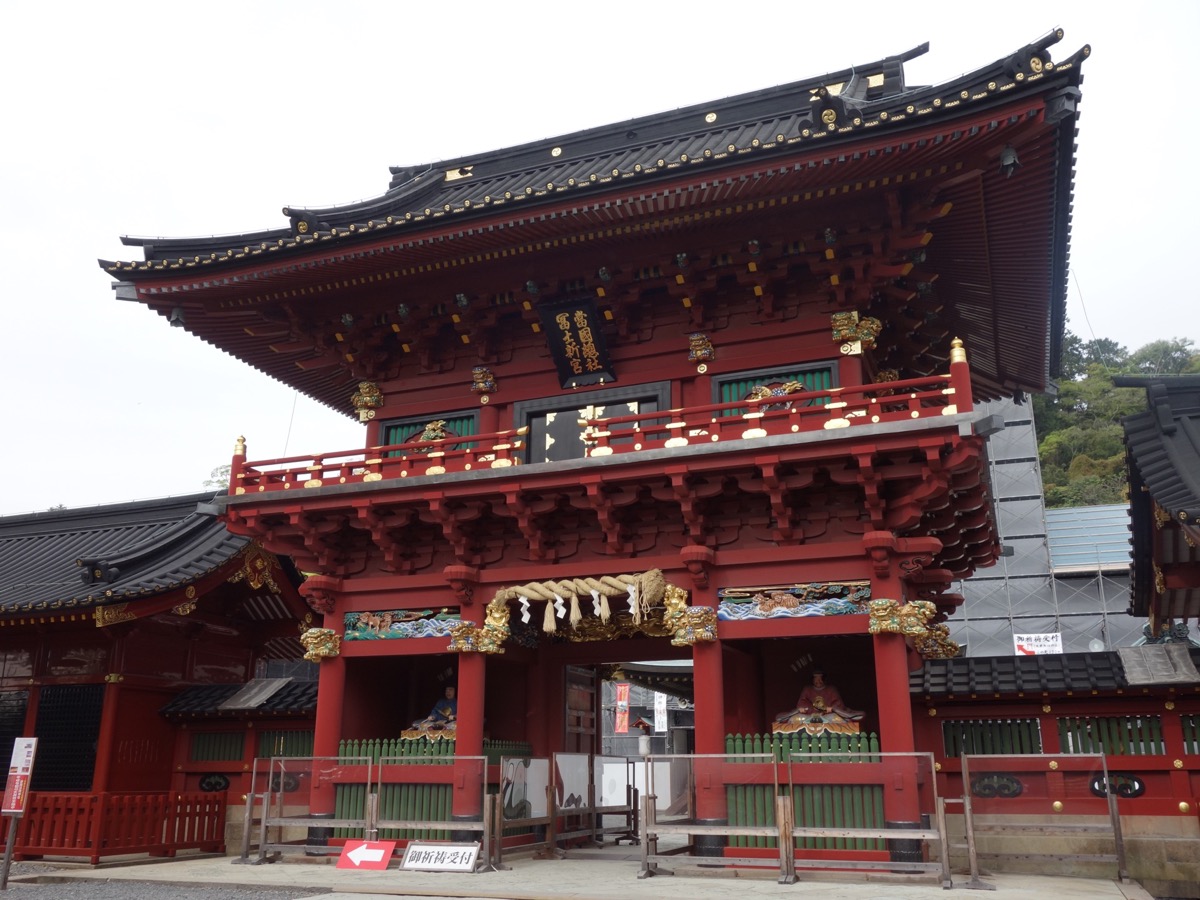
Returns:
(962, 678)
(204, 701)
(1001, 268)
(1162, 451)
(80, 558)
(1163, 442)
(826, 111)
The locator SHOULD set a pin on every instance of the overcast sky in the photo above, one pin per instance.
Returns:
(179, 119)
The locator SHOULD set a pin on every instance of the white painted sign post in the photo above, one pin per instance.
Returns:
(16, 796)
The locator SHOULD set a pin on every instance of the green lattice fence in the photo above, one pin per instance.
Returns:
(1191, 733)
(409, 801)
(1010, 737)
(1112, 735)
(816, 805)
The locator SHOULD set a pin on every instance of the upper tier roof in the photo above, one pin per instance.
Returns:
(80, 558)
(1001, 264)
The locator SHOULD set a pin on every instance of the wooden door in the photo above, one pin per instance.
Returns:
(582, 710)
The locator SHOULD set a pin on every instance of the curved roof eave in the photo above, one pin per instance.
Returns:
(771, 120)
(75, 560)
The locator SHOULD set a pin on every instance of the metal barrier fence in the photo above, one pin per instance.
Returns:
(590, 791)
(1065, 783)
(286, 789)
(795, 811)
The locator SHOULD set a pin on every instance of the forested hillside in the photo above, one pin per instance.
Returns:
(1079, 430)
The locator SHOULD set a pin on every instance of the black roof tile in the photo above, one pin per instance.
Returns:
(79, 558)
(204, 701)
(1162, 452)
(1079, 673)
(866, 99)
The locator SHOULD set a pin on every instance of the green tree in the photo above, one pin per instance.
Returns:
(1166, 357)
(218, 477)
(1080, 437)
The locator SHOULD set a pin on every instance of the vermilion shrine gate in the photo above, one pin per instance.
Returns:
(700, 385)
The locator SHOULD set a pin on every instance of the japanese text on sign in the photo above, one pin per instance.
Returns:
(440, 857)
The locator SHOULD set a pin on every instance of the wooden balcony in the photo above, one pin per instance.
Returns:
(903, 457)
(716, 426)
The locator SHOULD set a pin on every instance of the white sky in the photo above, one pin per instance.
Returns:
(178, 119)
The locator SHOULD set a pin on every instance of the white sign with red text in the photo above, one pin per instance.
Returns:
(20, 770)
(1036, 644)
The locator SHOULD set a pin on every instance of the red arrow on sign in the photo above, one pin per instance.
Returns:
(366, 855)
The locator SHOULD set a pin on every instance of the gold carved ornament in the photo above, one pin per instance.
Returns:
(111, 615)
(256, 568)
(912, 620)
(321, 643)
(644, 592)
(366, 400)
(857, 334)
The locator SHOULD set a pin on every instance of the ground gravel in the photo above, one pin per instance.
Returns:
(39, 881)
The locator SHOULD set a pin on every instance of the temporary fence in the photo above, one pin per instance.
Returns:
(804, 813)
(286, 822)
(593, 796)
(1077, 796)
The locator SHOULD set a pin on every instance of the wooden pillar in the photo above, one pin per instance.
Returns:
(327, 729)
(901, 788)
(709, 691)
(107, 739)
(469, 775)
(489, 419)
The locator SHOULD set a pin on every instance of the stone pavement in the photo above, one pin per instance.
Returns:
(608, 876)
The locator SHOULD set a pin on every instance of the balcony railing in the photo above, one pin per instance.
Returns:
(711, 424)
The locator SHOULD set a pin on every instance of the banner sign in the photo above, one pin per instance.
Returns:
(622, 724)
(1035, 644)
(576, 343)
(20, 770)
(660, 712)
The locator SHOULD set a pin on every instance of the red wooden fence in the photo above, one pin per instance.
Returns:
(96, 825)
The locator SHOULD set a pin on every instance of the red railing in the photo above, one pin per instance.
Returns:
(834, 408)
(807, 411)
(494, 450)
(97, 825)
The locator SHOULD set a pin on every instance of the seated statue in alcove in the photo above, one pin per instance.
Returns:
(441, 721)
(819, 710)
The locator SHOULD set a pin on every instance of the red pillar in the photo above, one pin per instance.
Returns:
(468, 741)
(327, 729)
(107, 739)
(709, 692)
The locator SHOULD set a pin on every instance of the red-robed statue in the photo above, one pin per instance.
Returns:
(820, 709)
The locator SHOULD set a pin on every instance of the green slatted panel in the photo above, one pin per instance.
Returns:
(1113, 735)
(1191, 733)
(815, 805)
(1008, 737)
(399, 432)
(219, 746)
(285, 743)
(813, 380)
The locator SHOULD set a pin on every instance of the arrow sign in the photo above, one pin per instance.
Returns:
(366, 855)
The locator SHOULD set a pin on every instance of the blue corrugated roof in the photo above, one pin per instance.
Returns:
(1088, 538)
